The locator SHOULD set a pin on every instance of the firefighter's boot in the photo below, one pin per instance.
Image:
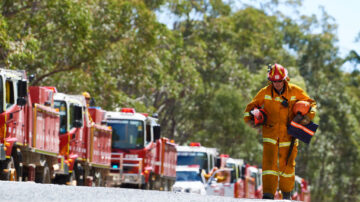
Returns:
(268, 196)
(286, 195)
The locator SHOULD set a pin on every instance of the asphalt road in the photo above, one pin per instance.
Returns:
(29, 191)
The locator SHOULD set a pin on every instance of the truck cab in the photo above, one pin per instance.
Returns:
(13, 126)
(72, 120)
(84, 143)
(133, 139)
(195, 154)
(74, 129)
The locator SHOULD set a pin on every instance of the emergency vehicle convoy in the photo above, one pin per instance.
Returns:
(52, 137)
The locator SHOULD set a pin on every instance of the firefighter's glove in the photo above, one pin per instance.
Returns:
(298, 118)
(303, 120)
(251, 123)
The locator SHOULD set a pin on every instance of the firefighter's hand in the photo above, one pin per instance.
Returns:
(251, 123)
(305, 120)
(298, 118)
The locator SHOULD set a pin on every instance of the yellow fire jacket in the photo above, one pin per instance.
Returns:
(278, 116)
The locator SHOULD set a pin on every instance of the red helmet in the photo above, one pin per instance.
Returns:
(277, 73)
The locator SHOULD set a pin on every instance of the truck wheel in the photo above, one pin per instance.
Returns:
(149, 184)
(42, 174)
(11, 170)
(97, 179)
(18, 165)
(72, 179)
(165, 185)
(170, 184)
(60, 179)
(79, 174)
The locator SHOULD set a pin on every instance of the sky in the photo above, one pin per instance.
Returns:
(345, 12)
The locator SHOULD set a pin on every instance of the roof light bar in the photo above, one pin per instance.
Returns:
(195, 144)
(128, 110)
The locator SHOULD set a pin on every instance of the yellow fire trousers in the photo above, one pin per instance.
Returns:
(274, 166)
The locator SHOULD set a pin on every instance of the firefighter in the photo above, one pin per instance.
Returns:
(87, 98)
(277, 100)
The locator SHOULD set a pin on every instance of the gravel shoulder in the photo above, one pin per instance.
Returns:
(29, 191)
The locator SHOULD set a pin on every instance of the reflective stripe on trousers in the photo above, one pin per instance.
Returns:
(276, 173)
(281, 144)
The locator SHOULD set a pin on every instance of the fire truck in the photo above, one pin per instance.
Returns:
(301, 190)
(195, 154)
(85, 144)
(235, 179)
(29, 127)
(140, 157)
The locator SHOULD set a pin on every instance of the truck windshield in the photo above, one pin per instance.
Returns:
(187, 176)
(193, 158)
(61, 106)
(127, 134)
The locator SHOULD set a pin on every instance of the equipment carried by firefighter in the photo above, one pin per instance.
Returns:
(301, 107)
(298, 128)
(259, 116)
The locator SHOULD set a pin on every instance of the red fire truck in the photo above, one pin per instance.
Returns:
(301, 190)
(140, 158)
(235, 179)
(29, 127)
(195, 154)
(85, 144)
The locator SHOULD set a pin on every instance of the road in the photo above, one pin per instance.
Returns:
(29, 191)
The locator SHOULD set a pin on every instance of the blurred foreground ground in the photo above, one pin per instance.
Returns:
(28, 191)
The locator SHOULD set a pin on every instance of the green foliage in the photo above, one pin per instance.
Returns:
(198, 76)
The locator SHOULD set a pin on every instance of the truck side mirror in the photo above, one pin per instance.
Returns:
(21, 101)
(22, 88)
(148, 133)
(92, 102)
(157, 131)
(78, 116)
(243, 171)
(31, 78)
(22, 92)
(218, 162)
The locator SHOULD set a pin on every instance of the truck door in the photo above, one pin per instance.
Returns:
(76, 125)
(63, 132)
(15, 114)
(2, 110)
(73, 131)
